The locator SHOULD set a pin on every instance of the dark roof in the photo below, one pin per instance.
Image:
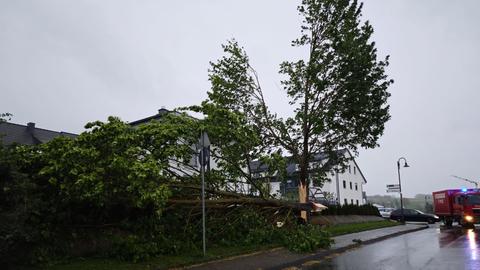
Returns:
(257, 166)
(157, 116)
(11, 133)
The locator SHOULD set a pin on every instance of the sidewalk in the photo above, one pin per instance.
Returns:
(280, 258)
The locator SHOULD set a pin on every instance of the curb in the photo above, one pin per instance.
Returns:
(324, 253)
(227, 258)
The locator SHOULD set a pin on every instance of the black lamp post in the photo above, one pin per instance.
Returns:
(400, 184)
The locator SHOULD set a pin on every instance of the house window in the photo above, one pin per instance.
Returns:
(351, 187)
(357, 202)
(346, 202)
(356, 186)
(344, 184)
(354, 170)
(352, 201)
(349, 169)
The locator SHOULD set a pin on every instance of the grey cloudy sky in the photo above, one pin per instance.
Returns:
(64, 63)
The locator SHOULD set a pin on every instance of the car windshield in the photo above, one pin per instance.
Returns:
(473, 199)
(420, 212)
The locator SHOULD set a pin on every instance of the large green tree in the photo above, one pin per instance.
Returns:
(338, 93)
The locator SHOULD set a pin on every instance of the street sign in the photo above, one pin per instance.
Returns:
(393, 186)
(393, 190)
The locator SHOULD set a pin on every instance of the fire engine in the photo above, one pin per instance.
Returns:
(460, 205)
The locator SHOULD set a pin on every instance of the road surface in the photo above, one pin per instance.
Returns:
(432, 248)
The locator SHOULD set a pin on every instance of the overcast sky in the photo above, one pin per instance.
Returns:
(65, 63)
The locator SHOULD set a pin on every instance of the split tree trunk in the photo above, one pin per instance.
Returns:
(302, 195)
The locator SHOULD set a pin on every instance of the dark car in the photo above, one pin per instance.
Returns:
(413, 215)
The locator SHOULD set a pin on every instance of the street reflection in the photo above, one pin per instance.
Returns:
(472, 243)
(432, 249)
(447, 236)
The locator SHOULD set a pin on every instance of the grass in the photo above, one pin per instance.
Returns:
(161, 262)
(164, 262)
(359, 227)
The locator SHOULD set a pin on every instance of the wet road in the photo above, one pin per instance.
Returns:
(433, 248)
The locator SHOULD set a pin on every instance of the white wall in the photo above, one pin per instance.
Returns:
(351, 175)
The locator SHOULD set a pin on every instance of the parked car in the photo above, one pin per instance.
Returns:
(385, 211)
(413, 215)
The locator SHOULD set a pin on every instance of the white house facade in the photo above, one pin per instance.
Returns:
(343, 188)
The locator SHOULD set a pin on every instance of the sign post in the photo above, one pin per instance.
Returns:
(393, 188)
(204, 143)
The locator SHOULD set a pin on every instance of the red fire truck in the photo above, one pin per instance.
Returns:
(460, 205)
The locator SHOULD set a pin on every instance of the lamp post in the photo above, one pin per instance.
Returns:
(400, 184)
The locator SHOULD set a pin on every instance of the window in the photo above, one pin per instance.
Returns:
(346, 202)
(409, 212)
(352, 201)
(357, 202)
(349, 169)
(356, 186)
(354, 170)
(344, 184)
(351, 187)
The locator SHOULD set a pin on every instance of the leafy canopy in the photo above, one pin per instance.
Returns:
(338, 95)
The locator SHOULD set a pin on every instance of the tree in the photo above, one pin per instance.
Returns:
(237, 138)
(5, 117)
(338, 94)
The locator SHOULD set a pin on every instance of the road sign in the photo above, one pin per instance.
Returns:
(393, 190)
(393, 186)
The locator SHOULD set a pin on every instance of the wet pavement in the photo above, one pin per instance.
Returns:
(432, 248)
(281, 258)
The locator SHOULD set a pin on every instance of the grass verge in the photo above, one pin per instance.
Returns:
(359, 227)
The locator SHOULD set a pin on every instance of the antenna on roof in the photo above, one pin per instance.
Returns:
(468, 180)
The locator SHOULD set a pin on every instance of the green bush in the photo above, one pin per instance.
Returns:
(351, 209)
(306, 238)
(102, 194)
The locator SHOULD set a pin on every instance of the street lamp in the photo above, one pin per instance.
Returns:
(400, 184)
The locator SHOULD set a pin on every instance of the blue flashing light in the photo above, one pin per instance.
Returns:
(464, 189)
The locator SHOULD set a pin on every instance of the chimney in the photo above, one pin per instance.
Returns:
(30, 127)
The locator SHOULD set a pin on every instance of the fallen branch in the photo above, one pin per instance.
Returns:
(241, 201)
(211, 191)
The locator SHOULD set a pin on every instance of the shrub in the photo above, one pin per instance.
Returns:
(306, 238)
(351, 209)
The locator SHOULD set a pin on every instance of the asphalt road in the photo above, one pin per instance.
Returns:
(433, 248)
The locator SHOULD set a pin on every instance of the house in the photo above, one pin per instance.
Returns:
(180, 168)
(161, 112)
(193, 166)
(11, 133)
(343, 187)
